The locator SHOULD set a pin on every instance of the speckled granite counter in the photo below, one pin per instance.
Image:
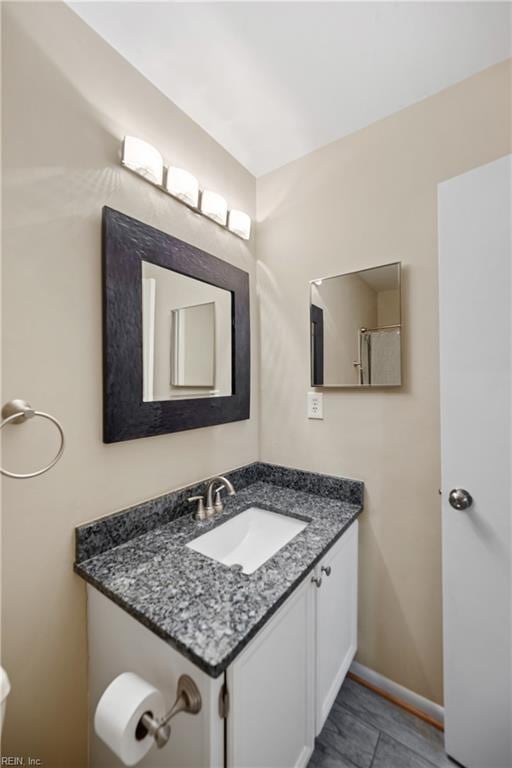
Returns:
(206, 610)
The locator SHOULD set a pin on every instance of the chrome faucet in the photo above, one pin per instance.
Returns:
(212, 506)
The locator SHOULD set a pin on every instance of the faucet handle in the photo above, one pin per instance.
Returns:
(218, 504)
(200, 513)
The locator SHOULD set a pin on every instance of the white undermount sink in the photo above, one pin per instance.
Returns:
(248, 539)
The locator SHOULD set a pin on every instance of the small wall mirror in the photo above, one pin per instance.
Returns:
(356, 326)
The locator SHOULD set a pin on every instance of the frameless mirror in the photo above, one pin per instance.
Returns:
(186, 336)
(356, 329)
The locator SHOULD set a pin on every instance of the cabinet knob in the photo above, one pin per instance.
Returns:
(316, 581)
(326, 569)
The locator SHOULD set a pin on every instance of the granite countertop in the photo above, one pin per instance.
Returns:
(204, 609)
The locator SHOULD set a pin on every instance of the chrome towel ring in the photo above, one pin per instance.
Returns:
(19, 411)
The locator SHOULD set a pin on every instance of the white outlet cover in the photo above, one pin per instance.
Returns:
(315, 405)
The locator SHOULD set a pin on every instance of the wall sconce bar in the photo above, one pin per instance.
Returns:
(146, 161)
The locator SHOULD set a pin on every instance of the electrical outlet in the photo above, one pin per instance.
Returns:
(315, 405)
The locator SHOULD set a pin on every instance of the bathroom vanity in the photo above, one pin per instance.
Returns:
(267, 649)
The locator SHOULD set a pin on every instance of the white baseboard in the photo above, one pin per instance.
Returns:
(429, 708)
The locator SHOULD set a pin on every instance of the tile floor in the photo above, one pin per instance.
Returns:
(364, 730)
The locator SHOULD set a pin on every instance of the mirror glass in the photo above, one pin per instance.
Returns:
(186, 336)
(356, 329)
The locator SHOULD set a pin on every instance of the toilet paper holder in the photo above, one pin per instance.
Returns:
(188, 699)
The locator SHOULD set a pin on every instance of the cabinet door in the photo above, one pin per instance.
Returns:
(336, 621)
(271, 690)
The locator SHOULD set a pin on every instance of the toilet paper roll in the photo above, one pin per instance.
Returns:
(119, 711)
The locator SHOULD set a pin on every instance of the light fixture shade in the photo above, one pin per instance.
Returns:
(240, 224)
(143, 158)
(214, 206)
(183, 185)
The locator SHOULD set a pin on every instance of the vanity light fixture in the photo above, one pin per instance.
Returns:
(214, 206)
(143, 158)
(240, 224)
(183, 185)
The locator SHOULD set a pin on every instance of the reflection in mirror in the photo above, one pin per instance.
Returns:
(186, 336)
(193, 346)
(356, 329)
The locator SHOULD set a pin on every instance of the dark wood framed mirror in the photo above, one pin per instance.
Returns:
(176, 334)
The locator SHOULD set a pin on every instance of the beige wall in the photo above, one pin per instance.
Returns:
(365, 200)
(67, 100)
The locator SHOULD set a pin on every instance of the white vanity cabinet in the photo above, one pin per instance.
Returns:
(271, 688)
(336, 621)
(280, 688)
(118, 643)
(284, 683)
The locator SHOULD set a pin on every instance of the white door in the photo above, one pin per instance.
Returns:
(336, 621)
(271, 715)
(475, 339)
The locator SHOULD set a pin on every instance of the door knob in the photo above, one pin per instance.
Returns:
(460, 499)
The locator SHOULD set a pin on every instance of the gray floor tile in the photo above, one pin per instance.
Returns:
(323, 760)
(345, 737)
(392, 754)
(392, 720)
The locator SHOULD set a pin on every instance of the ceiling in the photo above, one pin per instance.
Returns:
(272, 81)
